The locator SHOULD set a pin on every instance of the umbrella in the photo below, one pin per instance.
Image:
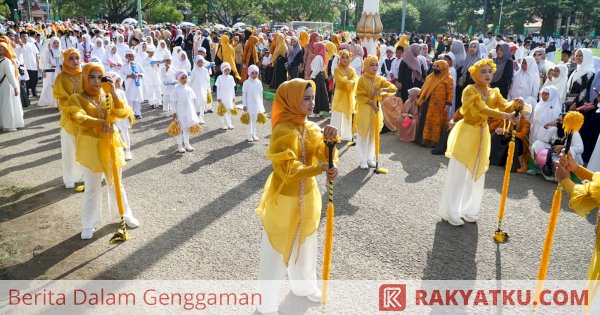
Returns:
(186, 24)
(219, 26)
(129, 21)
(239, 25)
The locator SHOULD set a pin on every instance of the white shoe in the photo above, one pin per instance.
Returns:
(250, 140)
(128, 156)
(364, 166)
(87, 234)
(181, 150)
(189, 148)
(69, 185)
(458, 222)
(202, 122)
(131, 221)
(224, 128)
(371, 163)
(315, 297)
(469, 218)
(230, 127)
(255, 138)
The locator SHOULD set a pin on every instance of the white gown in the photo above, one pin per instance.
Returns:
(183, 103)
(11, 112)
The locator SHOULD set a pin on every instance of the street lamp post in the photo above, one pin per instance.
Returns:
(500, 18)
(139, 13)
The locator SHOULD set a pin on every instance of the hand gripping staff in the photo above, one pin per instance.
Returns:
(571, 124)
(500, 236)
(329, 226)
(121, 234)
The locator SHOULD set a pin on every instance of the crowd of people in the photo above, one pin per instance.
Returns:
(458, 95)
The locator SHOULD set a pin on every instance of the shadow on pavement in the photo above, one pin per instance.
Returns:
(452, 256)
(13, 208)
(217, 155)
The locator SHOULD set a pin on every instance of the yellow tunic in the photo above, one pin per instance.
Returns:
(469, 140)
(93, 149)
(65, 86)
(344, 98)
(365, 114)
(279, 204)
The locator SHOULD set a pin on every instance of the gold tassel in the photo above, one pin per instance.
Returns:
(233, 111)
(209, 98)
(195, 129)
(173, 130)
(245, 118)
(221, 110)
(545, 262)
(262, 118)
(327, 252)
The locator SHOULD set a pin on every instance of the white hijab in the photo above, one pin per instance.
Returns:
(161, 52)
(559, 83)
(586, 66)
(548, 111)
(526, 83)
(182, 64)
(99, 52)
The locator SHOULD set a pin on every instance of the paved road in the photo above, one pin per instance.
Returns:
(198, 222)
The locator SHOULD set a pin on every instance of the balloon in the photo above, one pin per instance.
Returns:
(540, 157)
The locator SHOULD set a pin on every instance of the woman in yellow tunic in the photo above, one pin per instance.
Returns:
(68, 82)
(344, 98)
(584, 198)
(89, 112)
(370, 87)
(290, 207)
(227, 54)
(469, 145)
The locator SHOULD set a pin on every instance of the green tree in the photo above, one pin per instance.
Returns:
(4, 9)
(163, 12)
(391, 17)
(432, 15)
(306, 10)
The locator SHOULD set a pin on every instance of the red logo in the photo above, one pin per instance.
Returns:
(392, 297)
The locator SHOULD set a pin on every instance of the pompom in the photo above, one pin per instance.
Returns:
(572, 122)
(221, 110)
(483, 62)
(209, 98)
(245, 118)
(195, 129)
(173, 130)
(262, 118)
(233, 111)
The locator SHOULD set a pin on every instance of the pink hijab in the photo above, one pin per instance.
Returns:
(319, 49)
(412, 60)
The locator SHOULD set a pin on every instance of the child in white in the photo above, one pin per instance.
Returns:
(124, 124)
(226, 94)
(152, 78)
(184, 112)
(252, 92)
(167, 77)
(200, 85)
(133, 74)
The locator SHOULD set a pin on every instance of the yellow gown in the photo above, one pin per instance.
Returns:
(365, 114)
(93, 148)
(469, 140)
(279, 206)
(65, 86)
(344, 98)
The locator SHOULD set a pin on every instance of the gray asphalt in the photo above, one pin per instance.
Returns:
(198, 221)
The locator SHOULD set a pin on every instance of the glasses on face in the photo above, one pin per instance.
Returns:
(537, 55)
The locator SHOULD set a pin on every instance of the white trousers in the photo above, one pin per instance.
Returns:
(366, 148)
(137, 107)
(301, 273)
(153, 94)
(166, 100)
(200, 107)
(594, 163)
(123, 126)
(91, 214)
(252, 126)
(72, 171)
(226, 120)
(183, 139)
(343, 125)
(462, 194)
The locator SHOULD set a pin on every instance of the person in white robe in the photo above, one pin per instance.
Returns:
(184, 111)
(152, 82)
(201, 86)
(526, 83)
(98, 50)
(167, 78)
(124, 125)
(50, 63)
(181, 62)
(133, 73)
(121, 46)
(85, 47)
(226, 94)
(11, 112)
(547, 110)
(557, 77)
(252, 92)
(112, 60)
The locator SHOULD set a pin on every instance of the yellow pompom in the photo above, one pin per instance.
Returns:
(245, 118)
(572, 122)
(262, 118)
(233, 111)
(195, 129)
(173, 130)
(209, 98)
(221, 110)
(483, 62)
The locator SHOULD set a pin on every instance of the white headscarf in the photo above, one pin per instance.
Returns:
(458, 49)
(109, 56)
(559, 83)
(548, 111)
(52, 54)
(526, 83)
(182, 64)
(586, 66)
(98, 51)
(162, 51)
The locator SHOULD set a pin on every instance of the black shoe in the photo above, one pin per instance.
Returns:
(436, 152)
(138, 117)
(210, 111)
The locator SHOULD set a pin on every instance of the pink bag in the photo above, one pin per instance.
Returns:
(406, 122)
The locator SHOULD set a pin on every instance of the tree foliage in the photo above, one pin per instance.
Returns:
(4, 9)
(391, 16)
(163, 12)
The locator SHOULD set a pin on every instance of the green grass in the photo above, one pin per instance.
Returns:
(595, 51)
